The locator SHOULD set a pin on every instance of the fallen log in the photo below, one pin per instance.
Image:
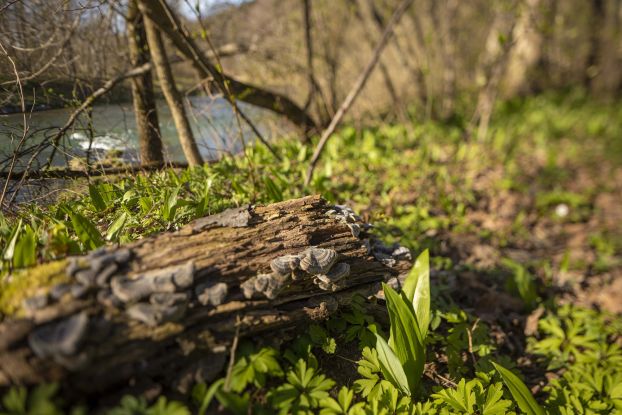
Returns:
(166, 308)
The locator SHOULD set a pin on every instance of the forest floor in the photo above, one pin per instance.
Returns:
(525, 240)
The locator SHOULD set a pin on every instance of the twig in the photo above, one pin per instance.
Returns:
(358, 86)
(470, 336)
(25, 125)
(234, 347)
(433, 374)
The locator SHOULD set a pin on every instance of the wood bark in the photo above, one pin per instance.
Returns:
(493, 66)
(169, 24)
(231, 248)
(172, 95)
(527, 51)
(145, 112)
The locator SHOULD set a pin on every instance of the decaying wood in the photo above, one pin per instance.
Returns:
(102, 342)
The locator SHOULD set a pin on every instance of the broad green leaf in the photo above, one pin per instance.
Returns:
(25, 249)
(9, 251)
(417, 290)
(519, 391)
(391, 366)
(116, 226)
(86, 231)
(406, 339)
(96, 198)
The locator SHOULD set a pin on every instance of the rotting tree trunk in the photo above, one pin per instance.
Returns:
(168, 23)
(94, 346)
(145, 112)
(172, 95)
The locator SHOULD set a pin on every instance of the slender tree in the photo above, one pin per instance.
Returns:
(166, 20)
(145, 111)
(171, 94)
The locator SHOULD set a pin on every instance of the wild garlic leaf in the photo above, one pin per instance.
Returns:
(519, 391)
(417, 290)
(86, 231)
(391, 366)
(406, 340)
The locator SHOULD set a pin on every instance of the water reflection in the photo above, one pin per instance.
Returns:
(114, 128)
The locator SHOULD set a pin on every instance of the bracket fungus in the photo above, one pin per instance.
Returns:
(318, 260)
(61, 338)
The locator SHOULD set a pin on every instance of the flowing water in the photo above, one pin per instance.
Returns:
(114, 128)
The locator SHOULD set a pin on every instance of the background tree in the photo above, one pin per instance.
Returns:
(172, 95)
(147, 124)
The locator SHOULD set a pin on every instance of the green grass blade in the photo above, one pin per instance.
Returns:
(519, 391)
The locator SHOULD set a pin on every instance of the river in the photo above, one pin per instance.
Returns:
(213, 122)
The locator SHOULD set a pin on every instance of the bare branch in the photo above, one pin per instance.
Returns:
(358, 86)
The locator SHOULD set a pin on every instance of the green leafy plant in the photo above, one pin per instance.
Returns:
(40, 400)
(131, 405)
(319, 336)
(343, 405)
(371, 385)
(303, 392)
(253, 367)
(402, 358)
(473, 398)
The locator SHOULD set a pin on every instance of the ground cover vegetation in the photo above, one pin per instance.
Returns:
(511, 307)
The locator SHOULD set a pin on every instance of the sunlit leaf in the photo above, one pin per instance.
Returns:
(96, 198)
(519, 391)
(417, 290)
(391, 366)
(406, 339)
(86, 231)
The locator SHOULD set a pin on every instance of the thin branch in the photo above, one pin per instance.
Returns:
(358, 86)
(24, 121)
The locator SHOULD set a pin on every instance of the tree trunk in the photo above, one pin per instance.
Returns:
(172, 95)
(596, 23)
(204, 284)
(169, 24)
(602, 71)
(527, 50)
(492, 67)
(445, 16)
(145, 111)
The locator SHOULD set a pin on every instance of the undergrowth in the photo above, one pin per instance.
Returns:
(419, 184)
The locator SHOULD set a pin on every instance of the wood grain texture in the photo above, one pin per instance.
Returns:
(117, 351)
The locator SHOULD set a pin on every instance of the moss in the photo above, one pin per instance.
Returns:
(28, 282)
